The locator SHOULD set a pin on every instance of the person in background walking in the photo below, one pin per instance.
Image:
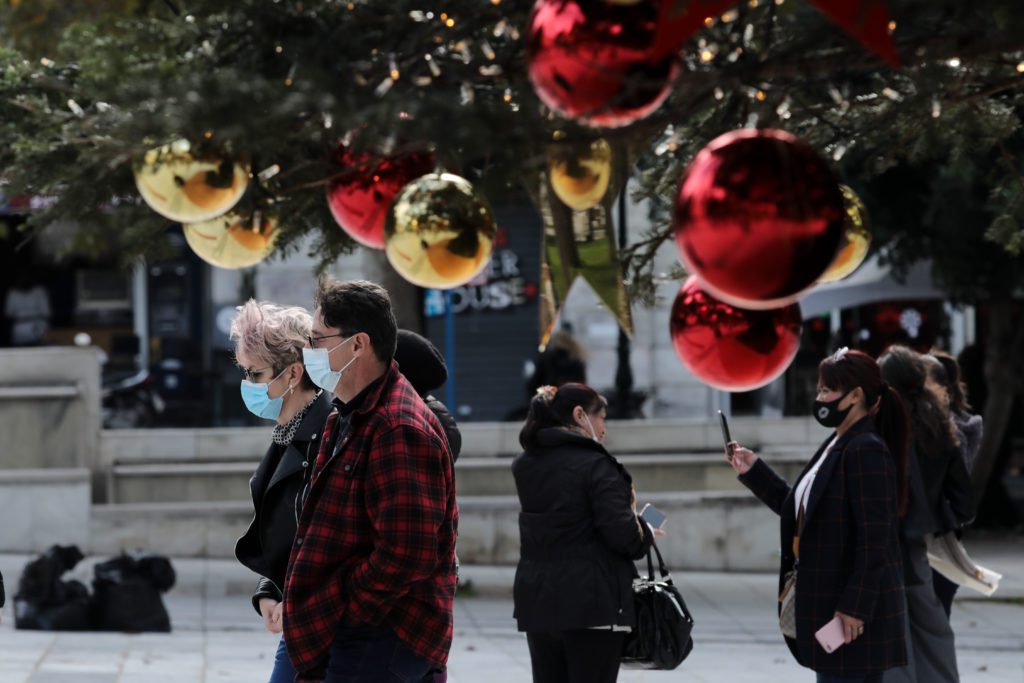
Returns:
(968, 431)
(27, 307)
(268, 348)
(940, 501)
(423, 365)
(840, 523)
(371, 576)
(579, 533)
(968, 425)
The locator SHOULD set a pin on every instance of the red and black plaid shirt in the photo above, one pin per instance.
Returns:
(376, 537)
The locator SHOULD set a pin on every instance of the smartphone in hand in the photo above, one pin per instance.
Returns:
(653, 516)
(831, 636)
(726, 437)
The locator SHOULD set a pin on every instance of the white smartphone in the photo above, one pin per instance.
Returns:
(831, 636)
(653, 516)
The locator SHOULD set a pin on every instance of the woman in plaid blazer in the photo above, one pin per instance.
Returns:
(840, 523)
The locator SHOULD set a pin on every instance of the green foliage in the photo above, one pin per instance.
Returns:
(933, 146)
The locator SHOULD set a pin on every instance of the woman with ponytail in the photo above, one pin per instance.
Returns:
(940, 501)
(579, 534)
(840, 525)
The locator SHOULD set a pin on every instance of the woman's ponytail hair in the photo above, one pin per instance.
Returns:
(893, 426)
(552, 407)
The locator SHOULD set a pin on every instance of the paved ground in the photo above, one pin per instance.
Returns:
(218, 637)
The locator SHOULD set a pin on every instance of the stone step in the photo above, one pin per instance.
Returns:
(181, 480)
(479, 439)
(705, 531)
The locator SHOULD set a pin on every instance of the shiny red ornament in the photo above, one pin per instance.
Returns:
(359, 200)
(731, 348)
(594, 61)
(759, 217)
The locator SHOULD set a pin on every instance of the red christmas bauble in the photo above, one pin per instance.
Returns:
(759, 217)
(360, 199)
(730, 348)
(593, 60)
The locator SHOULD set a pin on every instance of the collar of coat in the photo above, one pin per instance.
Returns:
(864, 425)
(552, 437)
(366, 401)
(314, 419)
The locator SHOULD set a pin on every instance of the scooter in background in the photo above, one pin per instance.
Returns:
(131, 402)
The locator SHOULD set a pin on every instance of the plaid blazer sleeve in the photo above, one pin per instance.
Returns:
(406, 491)
(766, 484)
(871, 495)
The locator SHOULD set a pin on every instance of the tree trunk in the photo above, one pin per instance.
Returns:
(1003, 368)
(405, 296)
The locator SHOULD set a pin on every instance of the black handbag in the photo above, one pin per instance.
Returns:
(661, 638)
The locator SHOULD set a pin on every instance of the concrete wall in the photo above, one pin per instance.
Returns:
(39, 508)
(49, 407)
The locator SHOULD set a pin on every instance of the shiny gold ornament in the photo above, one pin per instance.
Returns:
(232, 241)
(580, 177)
(185, 189)
(856, 238)
(439, 233)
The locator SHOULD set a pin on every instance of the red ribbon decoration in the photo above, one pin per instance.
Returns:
(865, 20)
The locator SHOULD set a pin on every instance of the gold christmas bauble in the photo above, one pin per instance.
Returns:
(580, 177)
(178, 186)
(439, 232)
(853, 249)
(232, 241)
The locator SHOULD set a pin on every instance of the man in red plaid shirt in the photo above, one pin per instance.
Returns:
(371, 578)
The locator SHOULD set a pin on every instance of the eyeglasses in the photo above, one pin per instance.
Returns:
(313, 341)
(250, 373)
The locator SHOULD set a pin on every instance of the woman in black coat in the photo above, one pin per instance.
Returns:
(840, 523)
(268, 348)
(940, 501)
(579, 534)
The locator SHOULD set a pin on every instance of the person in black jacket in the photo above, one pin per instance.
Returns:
(268, 348)
(945, 382)
(940, 501)
(579, 533)
(424, 367)
(839, 527)
(2, 596)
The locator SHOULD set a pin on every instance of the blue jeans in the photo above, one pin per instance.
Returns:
(283, 671)
(374, 654)
(832, 678)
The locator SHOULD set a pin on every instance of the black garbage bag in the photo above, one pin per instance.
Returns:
(44, 602)
(126, 593)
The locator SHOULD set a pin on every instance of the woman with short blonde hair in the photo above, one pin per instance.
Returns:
(268, 348)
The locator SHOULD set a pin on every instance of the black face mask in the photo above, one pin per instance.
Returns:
(828, 413)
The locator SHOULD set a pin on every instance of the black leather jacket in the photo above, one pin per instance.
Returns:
(265, 546)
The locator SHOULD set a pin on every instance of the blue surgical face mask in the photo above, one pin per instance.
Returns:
(257, 398)
(318, 366)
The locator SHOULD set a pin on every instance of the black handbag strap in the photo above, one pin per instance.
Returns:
(650, 562)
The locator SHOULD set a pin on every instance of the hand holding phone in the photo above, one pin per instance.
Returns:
(653, 516)
(832, 635)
